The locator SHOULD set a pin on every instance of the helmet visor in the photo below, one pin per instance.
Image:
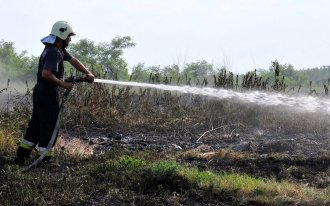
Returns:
(50, 39)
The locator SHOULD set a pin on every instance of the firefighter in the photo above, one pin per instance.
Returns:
(46, 101)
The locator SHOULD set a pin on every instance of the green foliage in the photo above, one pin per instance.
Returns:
(317, 75)
(197, 70)
(111, 57)
(104, 59)
(199, 178)
(140, 73)
(293, 78)
(15, 65)
(87, 52)
(127, 161)
(162, 172)
(171, 71)
(225, 79)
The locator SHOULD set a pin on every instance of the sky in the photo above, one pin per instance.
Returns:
(242, 35)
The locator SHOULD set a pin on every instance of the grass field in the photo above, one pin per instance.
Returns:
(129, 146)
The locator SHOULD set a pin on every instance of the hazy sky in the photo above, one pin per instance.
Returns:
(241, 34)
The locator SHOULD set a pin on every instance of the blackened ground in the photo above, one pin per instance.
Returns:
(302, 158)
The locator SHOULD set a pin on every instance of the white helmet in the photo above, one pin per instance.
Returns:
(62, 29)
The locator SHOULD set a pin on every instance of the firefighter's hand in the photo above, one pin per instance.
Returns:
(90, 77)
(67, 85)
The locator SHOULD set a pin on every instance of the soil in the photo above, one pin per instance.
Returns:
(302, 157)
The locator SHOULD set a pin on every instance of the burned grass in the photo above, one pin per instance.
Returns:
(145, 178)
(125, 146)
(312, 171)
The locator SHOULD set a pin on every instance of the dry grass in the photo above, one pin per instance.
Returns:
(131, 109)
(74, 146)
(84, 178)
(208, 153)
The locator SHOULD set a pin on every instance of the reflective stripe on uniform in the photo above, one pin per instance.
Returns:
(50, 153)
(27, 144)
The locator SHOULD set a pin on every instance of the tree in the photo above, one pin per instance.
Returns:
(15, 65)
(293, 78)
(140, 73)
(172, 72)
(87, 52)
(198, 70)
(111, 57)
(104, 59)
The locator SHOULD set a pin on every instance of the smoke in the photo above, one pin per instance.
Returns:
(12, 83)
(3, 76)
(13, 90)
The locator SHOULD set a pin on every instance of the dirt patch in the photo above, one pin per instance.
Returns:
(299, 157)
(73, 145)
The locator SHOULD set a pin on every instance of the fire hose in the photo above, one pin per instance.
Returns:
(65, 95)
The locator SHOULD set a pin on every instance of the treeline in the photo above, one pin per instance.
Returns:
(106, 61)
(14, 65)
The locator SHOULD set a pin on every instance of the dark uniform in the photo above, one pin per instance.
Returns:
(46, 104)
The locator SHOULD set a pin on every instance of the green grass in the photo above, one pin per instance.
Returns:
(84, 179)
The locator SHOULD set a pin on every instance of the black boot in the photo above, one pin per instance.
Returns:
(22, 155)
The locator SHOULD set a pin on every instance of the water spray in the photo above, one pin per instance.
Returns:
(303, 103)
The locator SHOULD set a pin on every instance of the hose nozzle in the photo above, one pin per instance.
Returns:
(75, 79)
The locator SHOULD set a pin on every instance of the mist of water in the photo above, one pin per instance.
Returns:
(301, 102)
